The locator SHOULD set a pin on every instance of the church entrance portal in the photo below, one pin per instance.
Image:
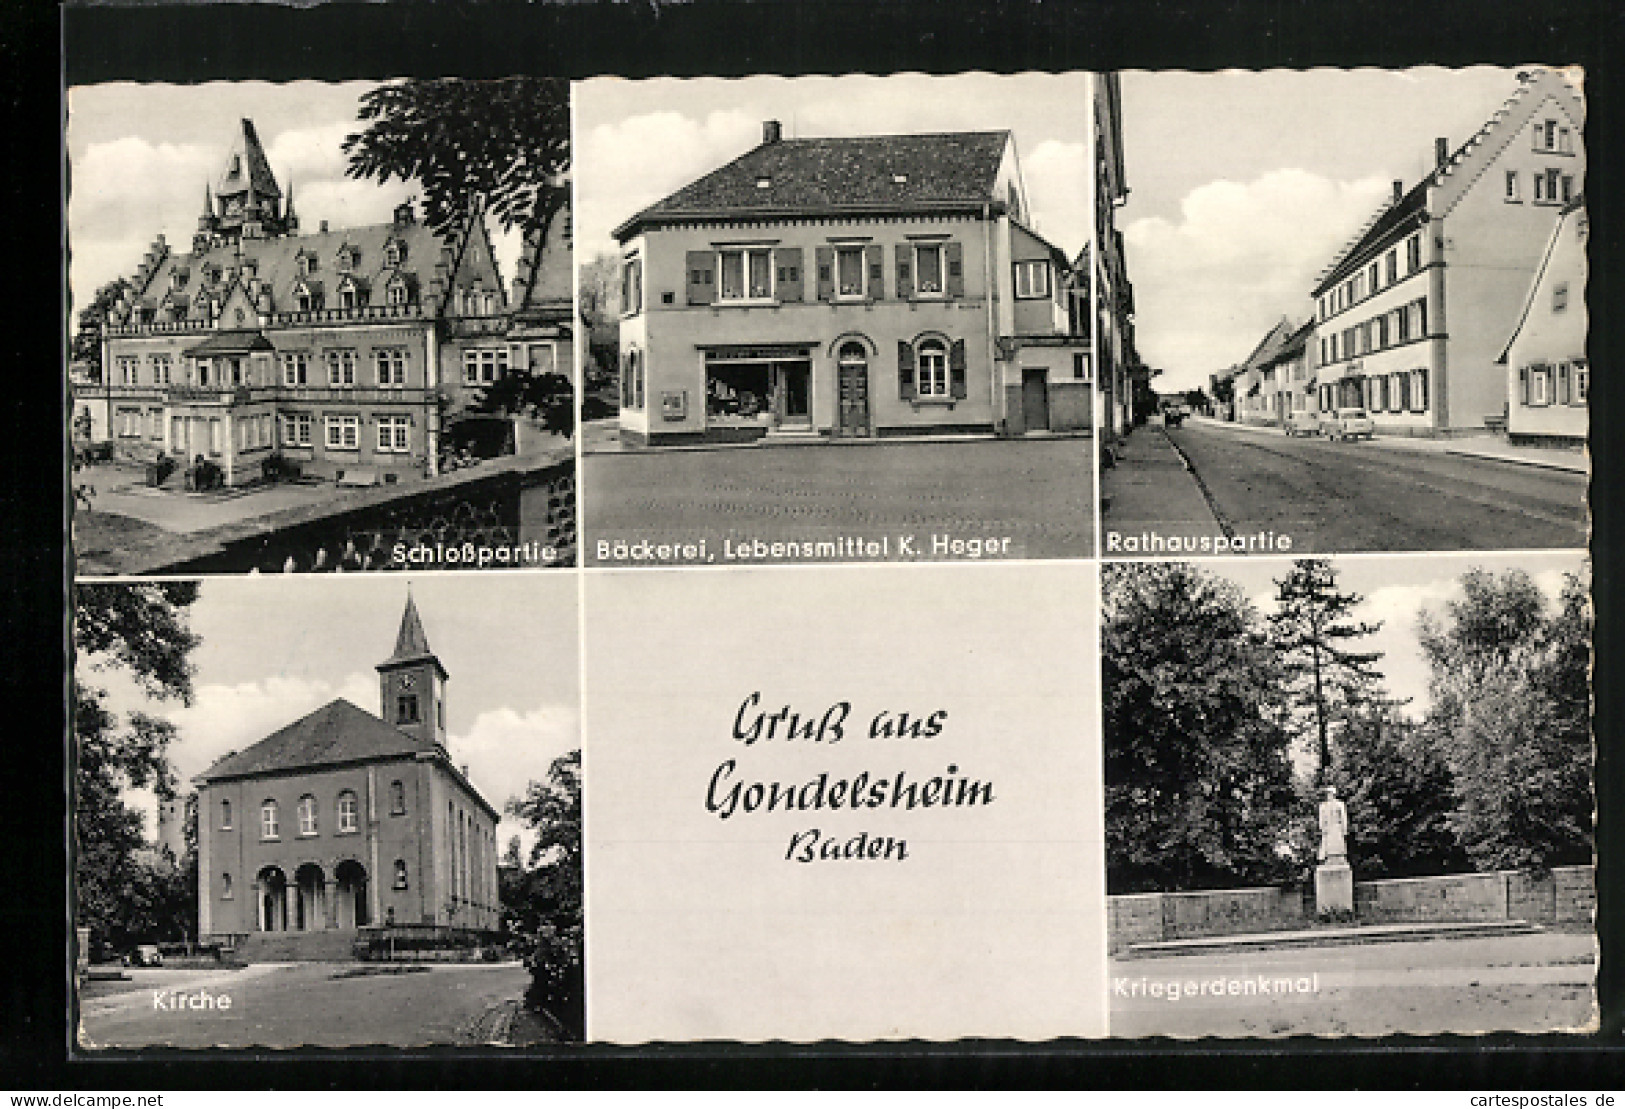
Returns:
(272, 886)
(351, 898)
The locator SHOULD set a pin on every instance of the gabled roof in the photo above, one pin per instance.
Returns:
(1397, 215)
(1577, 205)
(335, 734)
(868, 173)
(1268, 347)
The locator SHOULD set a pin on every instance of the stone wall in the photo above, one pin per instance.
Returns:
(1567, 895)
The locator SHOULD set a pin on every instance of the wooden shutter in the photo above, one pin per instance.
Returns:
(905, 271)
(702, 277)
(954, 259)
(1562, 383)
(788, 261)
(1523, 383)
(905, 369)
(825, 256)
(874, 259)
(958, 388)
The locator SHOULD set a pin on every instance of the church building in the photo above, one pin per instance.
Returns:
(343, 821)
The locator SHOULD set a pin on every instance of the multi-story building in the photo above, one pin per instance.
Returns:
(1274, 383)
(1411, 315)
(344, 820)
(849, 287)
(1113, 293)
(1548, 373)
(340, 350)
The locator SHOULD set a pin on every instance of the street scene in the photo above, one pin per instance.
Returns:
(1207, 477)
(261, 861)
(1349, 796)
(260, 384)
(835, 319)
(1356, 324)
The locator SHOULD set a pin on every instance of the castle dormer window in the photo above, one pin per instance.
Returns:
(349, 258)
(398, 293)
(178, 279)
(394, 252)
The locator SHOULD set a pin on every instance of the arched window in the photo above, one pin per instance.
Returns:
(932, 369)
(348, 811)
(307, 815)
(225, 815)
(269, 827)
(397, 798)
(400, 874)
(225, 887)
(853, 352)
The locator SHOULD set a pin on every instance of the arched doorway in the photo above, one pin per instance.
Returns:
(310, 898)
(271, 885)
(852, 391)
(350, 900)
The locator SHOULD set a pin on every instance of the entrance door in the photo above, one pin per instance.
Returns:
(852, 391)
(1035, 399)
(794, 393)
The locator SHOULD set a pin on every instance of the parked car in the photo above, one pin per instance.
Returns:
(1302, 423)
(1347, 423)
(144, 955)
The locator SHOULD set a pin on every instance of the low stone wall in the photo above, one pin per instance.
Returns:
(1565, 895)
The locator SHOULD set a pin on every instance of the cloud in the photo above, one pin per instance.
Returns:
(506, 750)
(1208, 285)
(1057, 176)
(625, 166)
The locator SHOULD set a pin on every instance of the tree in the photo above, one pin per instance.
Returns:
(1513, 718)
(1311, 632)
(1198, 782)
(86, 346)
(140, 629)
(549, 396)
(505, 144)
(600, 308)
(543, 904)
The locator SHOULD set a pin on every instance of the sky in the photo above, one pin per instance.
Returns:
(1245, 184)
(139, 157)
(639, 141)
(275, 648)
(1396, 589)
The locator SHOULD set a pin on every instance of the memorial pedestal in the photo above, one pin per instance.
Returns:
(1334, 889)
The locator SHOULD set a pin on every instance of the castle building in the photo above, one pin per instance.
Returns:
(1412, 314)
(339, 351)
(850, 288)
(343, 820)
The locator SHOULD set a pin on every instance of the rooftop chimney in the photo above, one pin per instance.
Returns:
(324, 227)
(771, 131)
(1441, 151)
(1399, 191)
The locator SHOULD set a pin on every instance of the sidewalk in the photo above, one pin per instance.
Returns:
(603, 437)
(1487, 447)
(1150, 487)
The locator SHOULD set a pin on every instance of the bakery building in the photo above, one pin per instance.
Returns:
(850, 288)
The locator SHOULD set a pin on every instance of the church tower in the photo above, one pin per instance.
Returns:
(412, 683)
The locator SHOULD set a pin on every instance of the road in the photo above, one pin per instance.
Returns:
(1038, 494)
(293, 1004)
(1528, 983)
(1360, 496)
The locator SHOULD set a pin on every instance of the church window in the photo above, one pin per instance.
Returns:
(307, 815)
(400, 874)
(348, 812)
(225, 816)
(269, 827)
(406, 708)
(397, 798)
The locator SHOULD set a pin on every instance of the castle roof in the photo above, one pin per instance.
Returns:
(248, 168)
(336, 734)
(841, 175)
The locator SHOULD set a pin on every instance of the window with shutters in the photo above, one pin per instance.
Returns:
(1539, 386)
(1413, 253)
(1581, 393)
(850, 273)
(928, 270)
(746, 273)
(931, 369)
(632, 286)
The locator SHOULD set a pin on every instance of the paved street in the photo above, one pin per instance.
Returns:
(1526, 983)
(1026, 498)
(289, 1004)
(1331, 497)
